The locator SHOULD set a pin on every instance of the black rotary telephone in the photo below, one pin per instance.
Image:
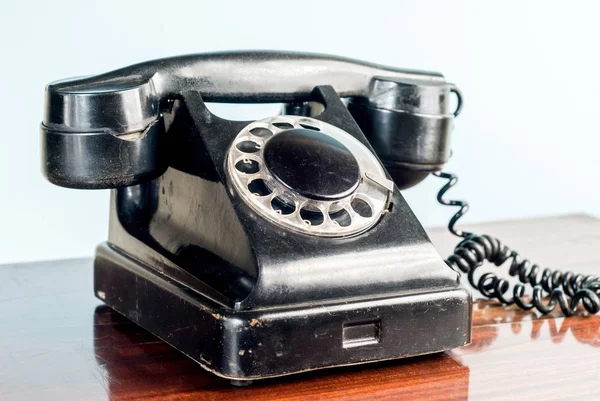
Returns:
(270, 247)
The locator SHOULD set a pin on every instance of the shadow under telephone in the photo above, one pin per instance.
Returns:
(270, 247)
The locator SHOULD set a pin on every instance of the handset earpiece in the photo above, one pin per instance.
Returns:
(408, 123)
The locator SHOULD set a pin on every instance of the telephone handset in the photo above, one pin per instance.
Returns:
(270, 247)
(114, 119)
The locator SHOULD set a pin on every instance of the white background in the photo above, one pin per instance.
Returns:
(526, 144)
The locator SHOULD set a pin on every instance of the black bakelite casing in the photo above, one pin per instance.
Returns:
(189, 261)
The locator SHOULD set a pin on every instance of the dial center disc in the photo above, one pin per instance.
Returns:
(312, 164)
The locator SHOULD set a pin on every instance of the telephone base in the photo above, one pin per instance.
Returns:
(255, 344)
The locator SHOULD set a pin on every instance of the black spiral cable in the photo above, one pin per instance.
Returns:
(549, 287)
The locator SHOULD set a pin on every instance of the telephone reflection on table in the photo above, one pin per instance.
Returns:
(270, 247)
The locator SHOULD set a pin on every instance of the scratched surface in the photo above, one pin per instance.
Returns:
(58, 343)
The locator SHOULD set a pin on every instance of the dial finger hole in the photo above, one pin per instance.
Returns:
(248, 146)
(307, 126)
(259, 187)
(282, 207)
(341, 217)
(247, 166)
(261, 132)
(283, 125)
(312, 217)
(362, 208)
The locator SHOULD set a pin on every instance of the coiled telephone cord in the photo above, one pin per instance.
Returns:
(549, 287)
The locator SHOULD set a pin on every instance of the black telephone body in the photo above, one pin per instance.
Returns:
(269, 247)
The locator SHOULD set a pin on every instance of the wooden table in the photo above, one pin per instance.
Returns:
(57, 342)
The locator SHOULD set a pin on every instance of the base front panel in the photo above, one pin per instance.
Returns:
(254, 344)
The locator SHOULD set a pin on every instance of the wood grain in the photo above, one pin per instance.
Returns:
(59, 343)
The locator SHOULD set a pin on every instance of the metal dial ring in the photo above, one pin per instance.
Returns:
(271, 199)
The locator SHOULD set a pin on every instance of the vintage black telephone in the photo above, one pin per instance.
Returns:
(270, 247)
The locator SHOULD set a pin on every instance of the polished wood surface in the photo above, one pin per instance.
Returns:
(57, 342)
